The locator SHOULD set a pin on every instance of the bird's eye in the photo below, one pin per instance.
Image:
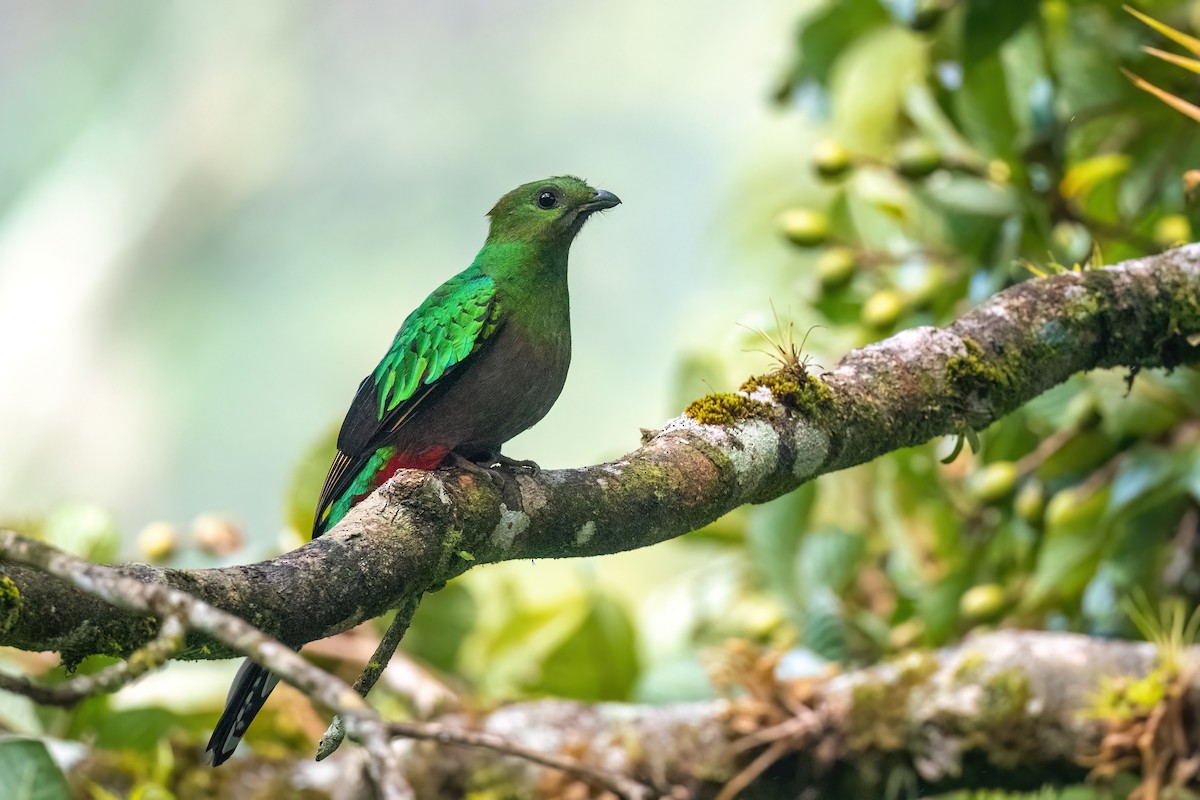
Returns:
(547, 199)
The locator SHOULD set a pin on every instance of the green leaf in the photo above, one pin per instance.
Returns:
(827, 33)
(27, 772)
(139, 729)
(904, 11)
(983, 109)
(597, 661)
(971, 195)
(774, 535)
(824, 625)
(1146, 473)
(990, 23)
(828, 559)
(870, 84)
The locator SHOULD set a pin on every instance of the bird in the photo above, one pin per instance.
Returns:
(482, 359)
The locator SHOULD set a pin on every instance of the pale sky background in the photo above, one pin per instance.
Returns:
(213, 217)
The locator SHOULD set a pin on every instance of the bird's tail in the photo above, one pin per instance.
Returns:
(251, 687)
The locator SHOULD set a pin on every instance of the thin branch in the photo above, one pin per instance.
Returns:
(442, 734)
(370, 675)
(153, 654)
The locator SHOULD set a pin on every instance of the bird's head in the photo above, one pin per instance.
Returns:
(548, 212)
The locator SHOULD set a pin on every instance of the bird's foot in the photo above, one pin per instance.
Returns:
(511, 463)
(487, 473)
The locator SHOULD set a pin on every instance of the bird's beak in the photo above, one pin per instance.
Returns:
(600, 201)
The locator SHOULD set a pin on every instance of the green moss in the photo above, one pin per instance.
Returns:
(879, 714)
(10, 603)
(974, 374)
(725, 408)
(1125, 698)
(1004, 729)
(119, 638)
(791, 387)
(798, 391)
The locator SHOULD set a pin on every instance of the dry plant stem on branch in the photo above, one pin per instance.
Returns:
(423, 528)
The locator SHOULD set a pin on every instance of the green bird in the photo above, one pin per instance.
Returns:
(481, 360)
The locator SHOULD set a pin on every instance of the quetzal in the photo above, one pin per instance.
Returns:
(481, 360)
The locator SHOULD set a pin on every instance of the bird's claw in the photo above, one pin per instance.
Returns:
(511, 463)
(487, 473)
(495, 468)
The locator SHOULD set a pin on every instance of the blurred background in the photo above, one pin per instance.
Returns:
(214, 216)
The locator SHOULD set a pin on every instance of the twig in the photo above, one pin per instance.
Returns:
(149, 656)
(432, 732)
(336, 731)
(755, 768)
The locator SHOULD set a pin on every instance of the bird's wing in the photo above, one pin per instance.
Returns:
(443, 333)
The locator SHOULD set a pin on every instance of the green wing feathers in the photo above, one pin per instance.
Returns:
(442, 332)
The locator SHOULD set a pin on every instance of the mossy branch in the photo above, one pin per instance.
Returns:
(1011, 710)
(783, 430)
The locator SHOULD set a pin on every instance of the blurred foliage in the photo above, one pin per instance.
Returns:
(963, 147)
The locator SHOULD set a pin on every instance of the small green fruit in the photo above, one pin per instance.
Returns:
(883, 309)
(1064, 509)
(917, 158)
(933, 283)
(983, 603)
(804, 227)
(836, 267)
(1030, 502)
(1072, 241)
(1172, 231)
(994, 482)
(831, 159)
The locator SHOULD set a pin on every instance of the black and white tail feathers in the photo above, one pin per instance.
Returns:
(251, 687)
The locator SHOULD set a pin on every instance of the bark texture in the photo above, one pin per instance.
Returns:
(422, 529)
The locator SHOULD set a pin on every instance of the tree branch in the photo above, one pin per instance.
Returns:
(175, 606)
(421, 529)
(1012, 710)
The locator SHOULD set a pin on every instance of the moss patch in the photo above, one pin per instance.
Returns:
(10, 603)
(879, 715)
(974, 374)
(118, 638)
(791, 386)
(794, 389)
(726, 408)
